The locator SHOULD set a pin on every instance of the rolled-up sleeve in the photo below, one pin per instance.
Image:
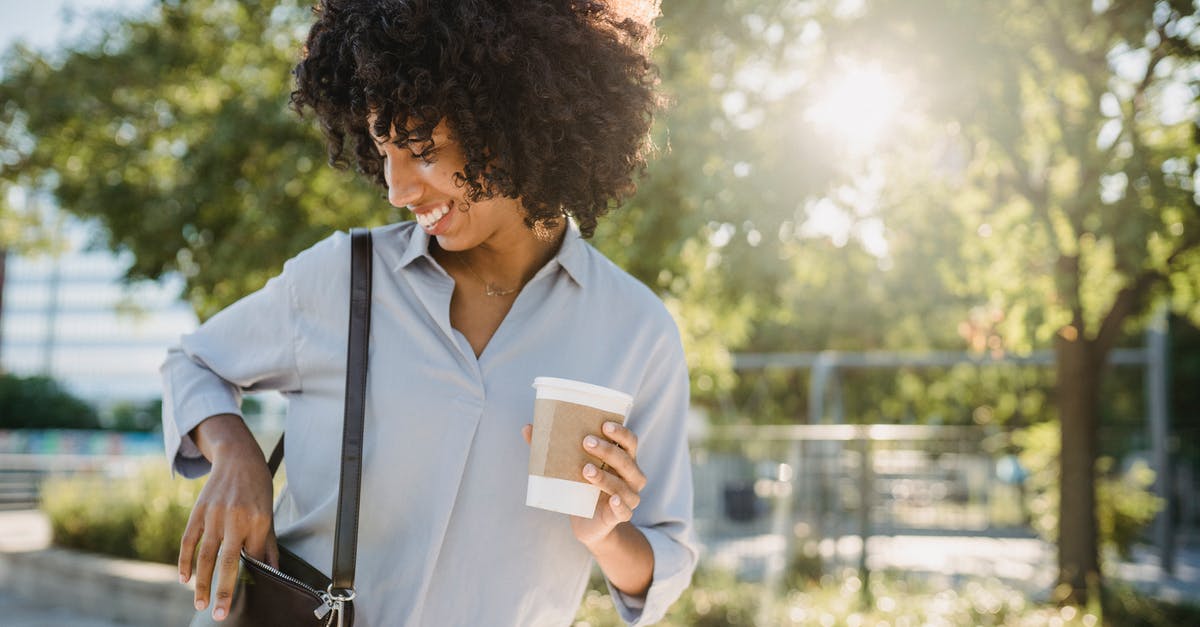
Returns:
(664, 515)
(248, 346)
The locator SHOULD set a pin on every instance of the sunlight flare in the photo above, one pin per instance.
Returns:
(858, 107)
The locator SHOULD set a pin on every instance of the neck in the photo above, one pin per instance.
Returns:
(507, 261)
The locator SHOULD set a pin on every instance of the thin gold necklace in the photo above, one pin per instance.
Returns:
(489, 288)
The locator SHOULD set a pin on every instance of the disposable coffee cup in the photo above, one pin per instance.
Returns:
(564, 412)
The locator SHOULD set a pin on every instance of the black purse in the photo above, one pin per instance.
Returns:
(297, 594)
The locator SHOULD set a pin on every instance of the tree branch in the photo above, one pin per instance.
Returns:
(1132, 297)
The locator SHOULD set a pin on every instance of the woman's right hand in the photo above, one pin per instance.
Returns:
(232, 511)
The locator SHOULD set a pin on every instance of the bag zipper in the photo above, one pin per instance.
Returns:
(327, 604)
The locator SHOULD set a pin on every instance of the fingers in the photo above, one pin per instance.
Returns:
(206, 558)
(187, 544)
(527, 433)
(626, 498)
(620, 508)
(622, 436)
(227, 566)
(617, 459)
(218, 558)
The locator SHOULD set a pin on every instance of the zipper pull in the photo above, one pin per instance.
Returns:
(324, 608)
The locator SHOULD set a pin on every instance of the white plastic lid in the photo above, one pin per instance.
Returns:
(570, 391)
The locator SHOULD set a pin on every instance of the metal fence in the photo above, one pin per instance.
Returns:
(778, 504)
(781, 504)
(22, 474)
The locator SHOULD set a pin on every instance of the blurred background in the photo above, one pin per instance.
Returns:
(936, 264)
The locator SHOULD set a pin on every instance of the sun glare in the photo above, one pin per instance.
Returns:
(858, 107)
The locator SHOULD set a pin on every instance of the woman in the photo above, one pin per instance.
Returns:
(493, 122)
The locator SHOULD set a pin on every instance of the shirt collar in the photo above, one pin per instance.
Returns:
(571, 255)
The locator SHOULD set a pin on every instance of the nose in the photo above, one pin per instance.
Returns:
(403, 180)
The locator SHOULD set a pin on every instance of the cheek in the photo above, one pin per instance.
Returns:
(443, 174)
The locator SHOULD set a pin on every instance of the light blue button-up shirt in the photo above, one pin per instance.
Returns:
(445, 537)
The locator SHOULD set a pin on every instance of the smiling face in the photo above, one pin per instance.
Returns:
(428, 188)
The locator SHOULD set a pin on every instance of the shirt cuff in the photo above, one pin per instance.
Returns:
(182, 453)
(673, 566)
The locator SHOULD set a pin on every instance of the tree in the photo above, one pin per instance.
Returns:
(38, 402)
(1073, 126)
(172, 130)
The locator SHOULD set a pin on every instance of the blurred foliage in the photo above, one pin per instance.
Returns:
(172, 130)
(134, 416)
(147, 415)
(38, 402)
(1052, 150)
(139, 517)
(1055, 164)
(717, 598)
(1125, 506)
(1040, 185)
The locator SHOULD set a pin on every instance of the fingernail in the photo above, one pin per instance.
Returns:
(200, 605)
(182, 578)
(615, 500)
(610, 427)
(219, 614)
(589, 470)
(590, 442)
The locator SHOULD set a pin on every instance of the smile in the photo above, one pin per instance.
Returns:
(428, 219)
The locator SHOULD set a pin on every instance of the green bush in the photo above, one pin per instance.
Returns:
(716, 598)
(1126, 607)
(140, 517)
(134, 416)
(40, 403)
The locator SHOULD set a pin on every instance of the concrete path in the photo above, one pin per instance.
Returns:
(28, 530)
(19, 612)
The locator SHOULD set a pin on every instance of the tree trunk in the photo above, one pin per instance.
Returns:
(1078, 391)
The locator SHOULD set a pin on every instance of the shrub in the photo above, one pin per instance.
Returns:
(718, 598)
(140, 517)
(135, 416)
(40, 403)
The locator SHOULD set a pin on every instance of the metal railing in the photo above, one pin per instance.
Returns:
(774, 503)
(22, 474)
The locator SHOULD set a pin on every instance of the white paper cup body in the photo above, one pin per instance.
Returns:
(561, 495)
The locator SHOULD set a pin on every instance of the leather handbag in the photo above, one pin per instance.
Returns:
(298, 594)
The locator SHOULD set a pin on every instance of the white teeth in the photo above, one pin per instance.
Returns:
(427, 220)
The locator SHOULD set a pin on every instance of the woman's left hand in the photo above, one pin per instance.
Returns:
(620, 481)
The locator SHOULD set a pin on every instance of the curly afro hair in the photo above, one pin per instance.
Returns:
(551, 101)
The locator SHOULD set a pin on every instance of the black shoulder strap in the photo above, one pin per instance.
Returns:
(345, 539)
(276, 457)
